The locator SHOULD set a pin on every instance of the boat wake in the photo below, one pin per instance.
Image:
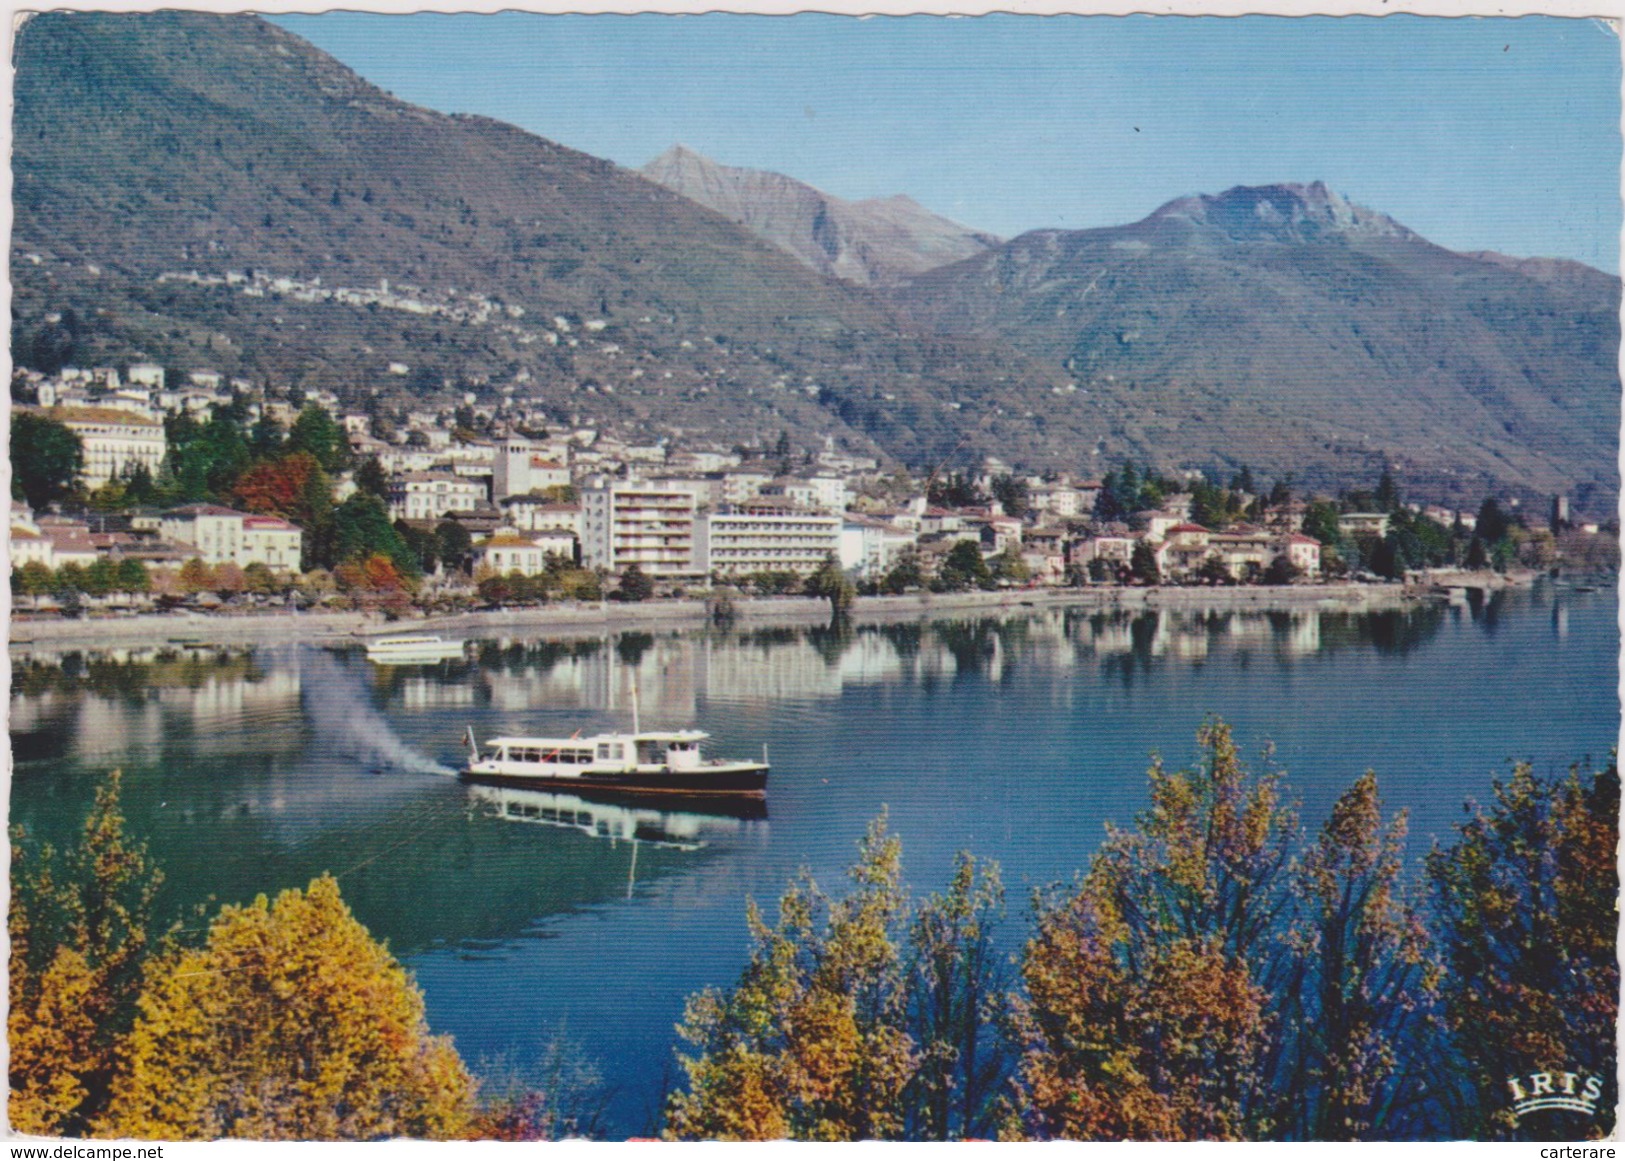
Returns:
(347, 720)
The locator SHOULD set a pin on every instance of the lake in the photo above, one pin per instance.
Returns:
(534, 919)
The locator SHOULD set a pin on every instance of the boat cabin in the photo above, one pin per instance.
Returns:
(674, 750)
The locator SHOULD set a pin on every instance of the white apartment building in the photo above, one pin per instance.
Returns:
(113, 440)
(507, 550)
(630, 523)
(271, 541)
(764, 537)
(538, 514)
(739, 486)
(824, 492)
(218, 535)
(430, 495)
(871, 547)
(147, 374)
(1303, 551)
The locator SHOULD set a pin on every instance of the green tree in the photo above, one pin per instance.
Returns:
(425, 546)
(1011, 493)
(1210, 505)
(316, 432)
(1387, 493)
(1126, 488)
(204, 459)
(453, 544)
(33, 579)
(1143, 565)
(1320, 520)
(958, 1004)
(265, 438)
(1282, 571)
(139, 486)
(101, 577)
(904, 574)
(832, 583)
(134, 576)
(370, 477)
(290, 1023)
(1009, 566)
(361, 529)
(1493, 523)
(46, 459)
(965, 567)
(635, 584)
(1527, 920)
(79, 926)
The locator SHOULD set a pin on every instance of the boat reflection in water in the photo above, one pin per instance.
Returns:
(679, 830)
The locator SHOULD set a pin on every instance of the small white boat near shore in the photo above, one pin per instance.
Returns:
(413, 649)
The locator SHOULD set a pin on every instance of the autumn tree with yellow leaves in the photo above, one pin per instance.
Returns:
(1213, 979)
(846, 1027)
(78, 923)
(1147, 998)
(289, 1023)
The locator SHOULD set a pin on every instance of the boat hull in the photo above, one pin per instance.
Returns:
(735, 780)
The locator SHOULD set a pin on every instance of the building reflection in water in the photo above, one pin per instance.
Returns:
(136, 699)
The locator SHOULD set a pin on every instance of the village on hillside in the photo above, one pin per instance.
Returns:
(141, 487)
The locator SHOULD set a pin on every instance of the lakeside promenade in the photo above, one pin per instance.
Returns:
(566, 619)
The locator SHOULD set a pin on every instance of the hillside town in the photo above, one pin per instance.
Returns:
(168, 489)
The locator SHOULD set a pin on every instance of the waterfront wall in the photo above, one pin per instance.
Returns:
(567, 619)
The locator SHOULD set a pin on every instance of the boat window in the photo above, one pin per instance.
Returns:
(603, 749)
(493, 754)
(583, 757)
(617, 750)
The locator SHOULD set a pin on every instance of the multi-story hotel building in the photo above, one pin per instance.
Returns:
(765, 537)
(113, 440)
(430, 495)
(623, 524)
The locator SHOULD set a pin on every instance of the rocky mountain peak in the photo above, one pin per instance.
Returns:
(1284, 212)
(875, 242)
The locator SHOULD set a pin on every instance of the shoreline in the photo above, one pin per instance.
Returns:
(598, 617)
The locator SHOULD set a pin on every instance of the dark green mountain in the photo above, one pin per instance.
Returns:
(172, 142)
(1287, 322)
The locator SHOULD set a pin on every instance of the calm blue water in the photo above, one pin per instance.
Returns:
(1017, 739)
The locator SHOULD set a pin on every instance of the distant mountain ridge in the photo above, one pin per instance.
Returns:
(874, 242)
(166, 143)
(1285, 317)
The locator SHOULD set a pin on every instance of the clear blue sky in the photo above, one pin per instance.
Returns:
(1491, 134)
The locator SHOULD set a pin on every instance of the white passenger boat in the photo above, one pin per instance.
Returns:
(414, 649)
(638, 763)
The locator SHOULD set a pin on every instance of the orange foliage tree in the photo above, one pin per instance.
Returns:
(291, 487)
(79, 935)
(290, 1023)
